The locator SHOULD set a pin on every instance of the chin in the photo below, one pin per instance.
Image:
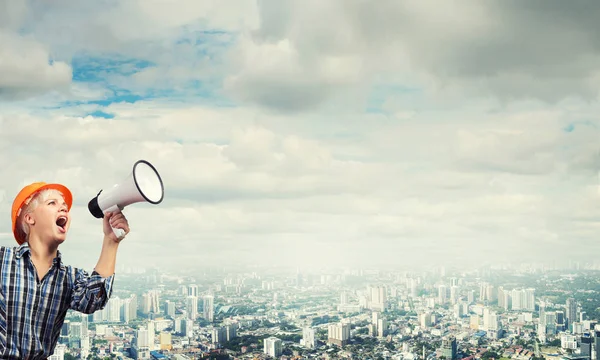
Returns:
(60, 240)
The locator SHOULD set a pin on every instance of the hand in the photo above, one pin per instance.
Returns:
(118, 221)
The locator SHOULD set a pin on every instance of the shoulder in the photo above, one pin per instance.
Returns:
(8, 257)
(76, 272)
(73, 270)
(73, 273)
(7, 251)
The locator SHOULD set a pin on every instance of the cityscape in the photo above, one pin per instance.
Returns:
(526, 313)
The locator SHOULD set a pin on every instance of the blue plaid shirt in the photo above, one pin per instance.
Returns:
(32, 311)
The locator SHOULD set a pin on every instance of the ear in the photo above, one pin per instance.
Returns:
(29, 219)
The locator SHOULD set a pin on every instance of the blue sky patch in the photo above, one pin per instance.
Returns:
(102, 114)
(113, 72)
(572, 126)
(98, 68)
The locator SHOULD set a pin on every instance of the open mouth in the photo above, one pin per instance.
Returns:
(61, 222)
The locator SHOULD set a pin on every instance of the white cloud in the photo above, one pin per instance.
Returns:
(25, 68)
(472, 48)
(462, 188)
(436, 174)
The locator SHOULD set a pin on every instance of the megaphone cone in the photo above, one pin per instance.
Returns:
(143, 184)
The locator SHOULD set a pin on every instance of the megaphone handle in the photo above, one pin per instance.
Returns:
(118, 232)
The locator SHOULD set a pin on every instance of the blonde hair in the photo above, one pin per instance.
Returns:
(30, 205)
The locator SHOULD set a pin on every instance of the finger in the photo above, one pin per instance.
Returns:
(117, 216)
(118, 221)
(120, 224)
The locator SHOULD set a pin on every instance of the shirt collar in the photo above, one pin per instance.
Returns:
(22, 250)
(25, 249)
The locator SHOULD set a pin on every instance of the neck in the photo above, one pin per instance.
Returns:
(41, 250)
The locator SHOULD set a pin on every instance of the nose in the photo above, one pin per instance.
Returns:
(64, 208)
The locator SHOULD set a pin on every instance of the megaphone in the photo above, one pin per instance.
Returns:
(142, 185)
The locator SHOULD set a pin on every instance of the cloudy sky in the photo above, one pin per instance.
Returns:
(311, 132)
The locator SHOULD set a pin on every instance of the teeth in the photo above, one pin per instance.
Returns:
(61, 221)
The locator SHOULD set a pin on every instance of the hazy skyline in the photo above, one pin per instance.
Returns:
(310, 132)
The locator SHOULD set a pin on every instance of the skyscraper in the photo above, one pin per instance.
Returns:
(449, 348)
(192, 307)
(586, 345)
(272, 347)
(377, 298)
(308, 335)
(571, 311)
(338, 334)
(209, 308)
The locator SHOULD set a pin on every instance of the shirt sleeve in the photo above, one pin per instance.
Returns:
(90, 292)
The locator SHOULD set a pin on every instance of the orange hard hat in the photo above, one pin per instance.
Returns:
(27, 192)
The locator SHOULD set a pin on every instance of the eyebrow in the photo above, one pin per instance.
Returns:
(55, 199)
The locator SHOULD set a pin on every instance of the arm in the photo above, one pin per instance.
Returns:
(90, 292)
(108, 256)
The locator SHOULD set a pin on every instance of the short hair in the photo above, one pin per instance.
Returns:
(30, 205)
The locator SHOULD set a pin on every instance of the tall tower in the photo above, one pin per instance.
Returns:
(192, 307)
(209, 307)
(571, 312)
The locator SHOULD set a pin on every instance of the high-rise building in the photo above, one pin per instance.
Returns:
(471, 296)
(523, 299)
(560, 321)
(442, 294)
(586, 345)
(170, 308)
(454, 294)
(413, 286)
(571, 311)
(308, 336)
(425, 319)
(192, 307)
(338, 334)
(188, 327)
(550, 321)
(231, 331)
(219, 335)
(377, 297)
(209, 308)
(504, 298)
(150, 302)
(529, 303)
(272, 347)
(597, 344)
(449, 348)
(192, 290)
(344, 298)
(113, 309)
(151, 333)
(59, 352)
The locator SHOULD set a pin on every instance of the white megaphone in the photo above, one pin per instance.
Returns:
(142, 185)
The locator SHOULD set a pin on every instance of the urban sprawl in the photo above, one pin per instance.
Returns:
(524, 313)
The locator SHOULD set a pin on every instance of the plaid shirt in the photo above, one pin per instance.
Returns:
(32, 312)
